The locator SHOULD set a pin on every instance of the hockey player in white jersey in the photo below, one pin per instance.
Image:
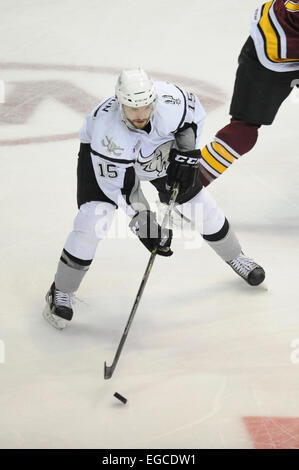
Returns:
(148, 131)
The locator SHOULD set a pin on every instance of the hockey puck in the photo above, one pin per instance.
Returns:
(120, 397)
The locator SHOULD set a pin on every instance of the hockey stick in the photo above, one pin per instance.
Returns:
(108, 370)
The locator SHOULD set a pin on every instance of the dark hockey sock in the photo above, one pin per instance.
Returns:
(231, 142)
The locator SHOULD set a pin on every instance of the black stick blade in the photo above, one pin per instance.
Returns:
(108, 371)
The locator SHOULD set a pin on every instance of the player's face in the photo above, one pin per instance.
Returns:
(139, 117)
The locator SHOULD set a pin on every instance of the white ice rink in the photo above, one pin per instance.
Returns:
(210, 362)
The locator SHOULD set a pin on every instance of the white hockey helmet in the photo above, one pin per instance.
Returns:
(134, 88)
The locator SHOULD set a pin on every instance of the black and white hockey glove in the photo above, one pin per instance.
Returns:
(183, 169)
(151, 234)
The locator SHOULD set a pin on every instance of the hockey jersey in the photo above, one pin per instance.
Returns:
(275, 32)
(123, 157)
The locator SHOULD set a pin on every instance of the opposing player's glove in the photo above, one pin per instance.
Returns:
(183, 169)
(151, 234)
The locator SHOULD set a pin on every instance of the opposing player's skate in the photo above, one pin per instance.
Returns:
(58, 311)
(247, 269)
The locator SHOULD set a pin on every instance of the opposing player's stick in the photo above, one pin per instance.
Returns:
(108, 370)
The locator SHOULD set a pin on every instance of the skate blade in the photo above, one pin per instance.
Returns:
(54, 320)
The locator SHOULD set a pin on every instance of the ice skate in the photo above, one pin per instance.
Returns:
(58, 311)
(248, 269)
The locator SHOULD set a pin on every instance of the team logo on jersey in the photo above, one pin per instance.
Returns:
(169, 99)
(112, 147)
(158, 160)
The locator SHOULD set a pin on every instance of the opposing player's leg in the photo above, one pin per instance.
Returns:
(257, 97)
(212, 224)
(229, 144)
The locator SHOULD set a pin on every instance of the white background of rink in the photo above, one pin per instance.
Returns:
(205, 349)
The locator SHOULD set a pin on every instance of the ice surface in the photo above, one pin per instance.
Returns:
(206, 352)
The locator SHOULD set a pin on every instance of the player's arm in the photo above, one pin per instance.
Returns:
(189, 130)
(115, 175)
(184, 157)
(117, 179)
(120, 184)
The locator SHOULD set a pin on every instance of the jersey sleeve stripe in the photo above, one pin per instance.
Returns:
(271, 37)
(271, 42)
(109, 159)
(292, 6)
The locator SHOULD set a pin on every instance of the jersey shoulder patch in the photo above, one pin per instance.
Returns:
(169, 94)
(171, 107)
